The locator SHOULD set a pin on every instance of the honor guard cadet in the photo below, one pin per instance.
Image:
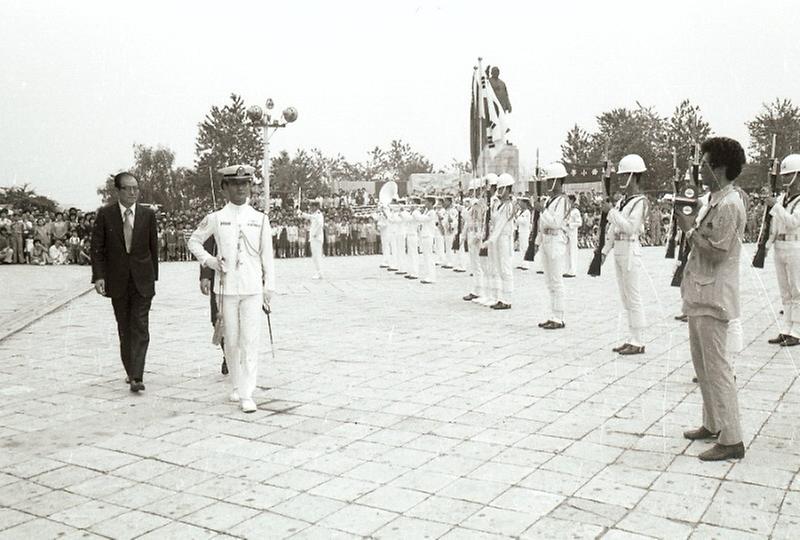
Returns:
(315, 236)
(244, 276)
(474, 230)
(501, 242)
(383, 231)
(625, 225)
(574, 222)
(411, 227)
(785, 236)
(449, 216)
(523, 225)
(427, 231)
(489, 270)
(553, 241)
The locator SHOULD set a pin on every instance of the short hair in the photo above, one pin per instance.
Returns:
(118, 179)
(724, 152)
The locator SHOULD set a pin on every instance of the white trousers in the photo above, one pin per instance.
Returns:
(412, 242)
(572, 252)
(438, 248)
(243, 321)
(428, 264)
(502, 251)
(317, 255)
(522, 240)
(391, 248)
(385, 248)
(628, 268)
(552, 257)
(402, 257)
(787, 269)
(447, 245)
(478, 279)
(488, 271)
(461, 257)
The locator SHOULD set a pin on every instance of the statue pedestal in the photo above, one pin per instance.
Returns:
(506, 161)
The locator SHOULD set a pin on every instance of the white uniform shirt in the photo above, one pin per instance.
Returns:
(410, 224)
(523, 223)
(574, 220)
(627, 222)
(553, 218)
(502, 221)
(785, 221)
(244, 241)
(317, 222)
(428, 220)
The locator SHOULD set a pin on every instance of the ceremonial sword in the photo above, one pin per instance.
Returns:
(267, 311)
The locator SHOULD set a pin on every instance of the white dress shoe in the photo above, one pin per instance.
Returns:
(248, 406)
(234, 397)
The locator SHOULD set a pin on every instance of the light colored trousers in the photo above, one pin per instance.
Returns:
(447, 245)
(316, 254)
(478, 280)
(385, 248)
(412, 242)
(552, 257)
(708, 342)
(787, 269)
(522, 240)
(628, 269)
(488, 271)
(428, 264)
(572, 252)
(243, 323)
(502, 251)
(438, 248)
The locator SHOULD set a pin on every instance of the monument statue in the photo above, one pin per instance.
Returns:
(499, 88)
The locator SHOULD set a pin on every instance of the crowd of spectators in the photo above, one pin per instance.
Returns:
(65, 237)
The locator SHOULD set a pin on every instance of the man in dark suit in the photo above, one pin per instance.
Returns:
(125, 268)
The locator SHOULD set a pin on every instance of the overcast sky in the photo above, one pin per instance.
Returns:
(81, 81)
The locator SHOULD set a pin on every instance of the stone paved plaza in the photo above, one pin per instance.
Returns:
(393, 410)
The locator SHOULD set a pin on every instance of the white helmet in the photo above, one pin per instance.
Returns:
(505, 180)
(492, 179)
(632, 163)
(790, 164)
(555, 170)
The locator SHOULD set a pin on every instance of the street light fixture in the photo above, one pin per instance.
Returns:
(266, 121)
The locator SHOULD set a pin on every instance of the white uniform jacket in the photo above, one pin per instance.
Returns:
(317, 220)
(626, 223)
(428, 223)
(244, 241)
(785, 230)
(553, 221)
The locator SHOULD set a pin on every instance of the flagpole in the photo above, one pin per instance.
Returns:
(481, 112)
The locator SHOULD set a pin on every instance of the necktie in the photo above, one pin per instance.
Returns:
(127, 229)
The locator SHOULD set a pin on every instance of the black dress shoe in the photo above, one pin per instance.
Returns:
(383, 266)
(411, 277)
(632, 349)
(699, 434)
(224, 368)
(522, 268)
(790, 341)
(390, 269)
(400, 273)
(500, 305)
(777, 340)
(426, 282)
(553, 325)
(540, 271)
(458, 270)
(682, 317)
(470, 297)
(721, 452)
(446, 266)
(567, 275)
(545, 323)
(135, 387)
(694, 379)
(617, 349)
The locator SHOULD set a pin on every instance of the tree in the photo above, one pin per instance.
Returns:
(685, 128)
(780, 117)
(25, 199)
(159, 182)
(225, 137)
(397, 162)
(577, 148)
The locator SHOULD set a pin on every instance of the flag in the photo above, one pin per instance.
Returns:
(476, 134)
(494, 117)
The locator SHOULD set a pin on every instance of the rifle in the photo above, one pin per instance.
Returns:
(673, 219)
(530, 253)
(484, 252)
(766, 222)
(457, 237)
(597, 261)
(687, 204)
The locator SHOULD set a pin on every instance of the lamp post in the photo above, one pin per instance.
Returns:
(265, 122)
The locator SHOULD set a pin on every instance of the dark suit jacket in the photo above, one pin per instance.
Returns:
(111, 262)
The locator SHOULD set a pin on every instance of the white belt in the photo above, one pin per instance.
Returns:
(552, 232)
(626, 237)
(787, 237)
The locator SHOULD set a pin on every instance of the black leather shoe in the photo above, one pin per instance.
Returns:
(500, 305)
(552, 325)
(632, 349)
(790, 341)
(224, 368)
(721, 452)
(400, 273)
(540, 271)
(682, 317)
(545, 323)
(383, 266)
(568, 275)
(617, 349)
(135, 387)
(694, 379)
(470, 297)
(777, 340)
(425, 282)
(458, 270)
(699, 434)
